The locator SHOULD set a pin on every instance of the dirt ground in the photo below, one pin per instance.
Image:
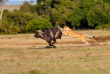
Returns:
(25, 54)
(29, 39)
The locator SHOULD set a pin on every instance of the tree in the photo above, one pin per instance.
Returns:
(31, 1)
(97, 19)
(76, 17)
(2, 4)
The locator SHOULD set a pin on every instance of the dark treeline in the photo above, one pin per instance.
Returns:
(77, 14)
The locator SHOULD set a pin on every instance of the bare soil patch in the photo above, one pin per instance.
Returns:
(93, 42)
(66, 42)
(102, 38)
(29, 44)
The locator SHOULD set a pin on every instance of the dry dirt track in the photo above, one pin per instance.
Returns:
(11, 44)
(92, 42)
(30, 40)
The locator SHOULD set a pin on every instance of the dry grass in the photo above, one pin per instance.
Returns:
(24, 54)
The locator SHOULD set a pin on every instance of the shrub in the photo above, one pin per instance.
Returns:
(25, 8)
(7, 28)
(38, 24)
(20, 19)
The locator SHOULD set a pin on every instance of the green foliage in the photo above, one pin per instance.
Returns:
(94, 14)
(26, 3)
(5, 11)
(76, 16)
(55, 16)
(38, 24)
(96, 17)
(25, 8)
(8, 28)
(20, 19)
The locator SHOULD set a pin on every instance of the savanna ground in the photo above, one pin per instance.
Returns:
(25, 54)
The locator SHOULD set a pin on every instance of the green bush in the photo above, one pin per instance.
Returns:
(20, 19)
(8, 28)
(38, 24)
(91, 14)
(98, 27)
(25, 8)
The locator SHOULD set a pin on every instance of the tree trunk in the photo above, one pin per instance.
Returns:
(2, 8)
(1, 13)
